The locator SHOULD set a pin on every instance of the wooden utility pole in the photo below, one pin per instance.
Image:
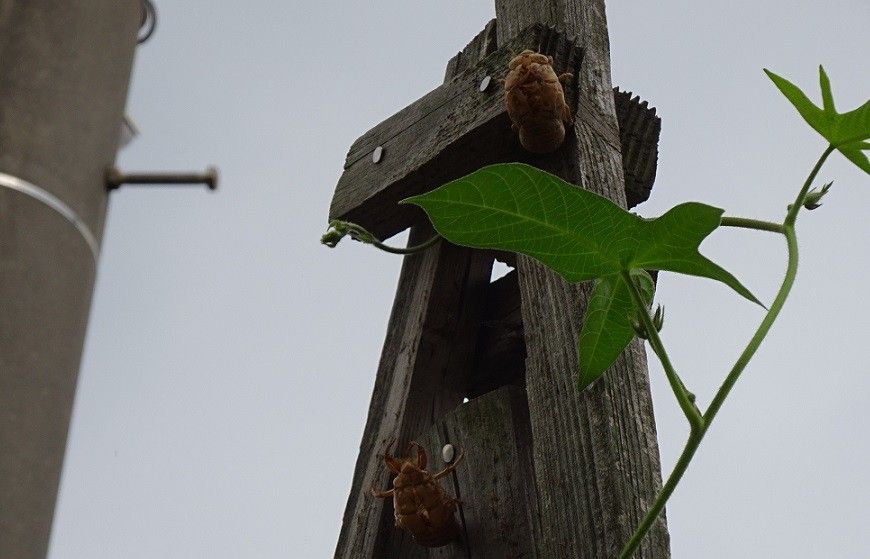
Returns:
(64, 72)
(551, 472)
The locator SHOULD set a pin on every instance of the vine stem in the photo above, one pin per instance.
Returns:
(409, 250)
(684, 398)
(746, 223)
(778, 302)
(338, 229)
(696, 436)
(799, 200)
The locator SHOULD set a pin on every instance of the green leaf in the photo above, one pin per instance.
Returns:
(846, 131)
(607, 324)
(577, 233)
(827, 95)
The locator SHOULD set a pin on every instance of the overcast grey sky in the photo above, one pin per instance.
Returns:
(230, 358)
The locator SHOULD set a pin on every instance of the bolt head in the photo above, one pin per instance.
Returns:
(211, 177)
(448, 453)
(484, 83)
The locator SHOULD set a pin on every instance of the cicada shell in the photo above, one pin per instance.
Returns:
(422, 507)
(536, 102)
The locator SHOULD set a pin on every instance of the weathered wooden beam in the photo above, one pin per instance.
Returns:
(595, 451)
(500, 355)
(422, 373)
(421, 376)
(428, 363)
(448, 133)
(498, 506)
(639, 130)
(456, 129)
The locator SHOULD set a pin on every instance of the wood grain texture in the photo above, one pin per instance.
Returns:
(422, 375)
(595, 452)
(450, 132)
(598, 449)
(639, 129)
(500, 355)
(456, 129)
(498, 505)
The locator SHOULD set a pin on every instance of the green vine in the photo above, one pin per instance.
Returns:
(339, 229)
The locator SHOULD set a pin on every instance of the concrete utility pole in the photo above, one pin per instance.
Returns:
(64, 72)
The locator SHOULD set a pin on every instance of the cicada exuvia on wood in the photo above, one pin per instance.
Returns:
(421, 506)
(536, 101)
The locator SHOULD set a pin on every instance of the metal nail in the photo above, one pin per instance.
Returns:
(115, 178)
(378, 154)
(484, 83)
(447, 453)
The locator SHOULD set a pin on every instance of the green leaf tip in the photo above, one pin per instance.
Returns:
(827, 95)
(579, 234)
(847, 132)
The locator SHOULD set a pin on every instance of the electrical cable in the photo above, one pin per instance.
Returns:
(149, 21)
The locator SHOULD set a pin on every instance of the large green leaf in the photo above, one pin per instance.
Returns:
(847, 132)
(579, 234)
(607, 323)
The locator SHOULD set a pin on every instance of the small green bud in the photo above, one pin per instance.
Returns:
(638, 328)
(339, 229)
(336, 232)
(813, 199)
(331, 238)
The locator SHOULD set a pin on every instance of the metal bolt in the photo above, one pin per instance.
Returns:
(484, 83)
(115, 178)
(447, 453)
(378, 154)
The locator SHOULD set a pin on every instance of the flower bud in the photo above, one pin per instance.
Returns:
(813, 199)
(336, 232)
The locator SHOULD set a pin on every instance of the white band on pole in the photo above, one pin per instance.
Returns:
(20, 185)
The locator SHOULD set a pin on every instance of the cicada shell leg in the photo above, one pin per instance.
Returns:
(382, 494)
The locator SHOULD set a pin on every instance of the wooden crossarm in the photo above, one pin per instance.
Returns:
(456, 129)
(451, 131)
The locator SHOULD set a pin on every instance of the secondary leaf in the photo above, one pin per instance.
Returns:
(607, 324)
(577, 233)
(846, 131)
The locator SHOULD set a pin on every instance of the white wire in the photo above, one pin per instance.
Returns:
(20, 185)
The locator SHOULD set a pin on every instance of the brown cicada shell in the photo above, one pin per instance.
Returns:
(536, 102)
(422, 508)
